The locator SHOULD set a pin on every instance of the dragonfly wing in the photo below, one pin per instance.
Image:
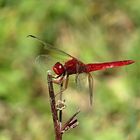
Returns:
(45, 63)
(85, 85)
(90, 82)
(51, 50)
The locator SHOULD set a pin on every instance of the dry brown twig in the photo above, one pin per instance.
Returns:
(57, 120)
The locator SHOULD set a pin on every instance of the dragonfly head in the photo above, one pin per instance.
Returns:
(58, 68)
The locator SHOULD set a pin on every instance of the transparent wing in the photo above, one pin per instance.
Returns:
(51, 50)
(45, 63)
(84, 82)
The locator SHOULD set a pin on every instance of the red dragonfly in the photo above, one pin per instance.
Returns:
(75, 66)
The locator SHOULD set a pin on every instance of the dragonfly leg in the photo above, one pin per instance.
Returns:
(77, 73)
(90, 83)
(64, 84)
(58, 80)
(76, 78)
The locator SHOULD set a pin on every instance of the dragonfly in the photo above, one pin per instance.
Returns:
(74, 66)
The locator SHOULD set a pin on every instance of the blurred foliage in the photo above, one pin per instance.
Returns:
(90, 30)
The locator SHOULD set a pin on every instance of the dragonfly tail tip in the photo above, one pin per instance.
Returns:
(130, 62)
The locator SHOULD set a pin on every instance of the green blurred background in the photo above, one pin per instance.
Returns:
(93, 31)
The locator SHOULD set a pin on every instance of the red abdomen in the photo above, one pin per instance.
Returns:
(106, 65)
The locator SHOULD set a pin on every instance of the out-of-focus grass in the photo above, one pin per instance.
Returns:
(93, 31)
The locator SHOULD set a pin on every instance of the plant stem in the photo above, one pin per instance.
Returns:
(57, 129)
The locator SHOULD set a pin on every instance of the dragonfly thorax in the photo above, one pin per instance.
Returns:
(58, 68)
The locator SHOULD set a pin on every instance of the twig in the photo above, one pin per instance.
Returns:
(57, 116)
(71, 123)
(58, 134)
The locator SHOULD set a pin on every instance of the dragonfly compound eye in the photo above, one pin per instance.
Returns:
(58, 68)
